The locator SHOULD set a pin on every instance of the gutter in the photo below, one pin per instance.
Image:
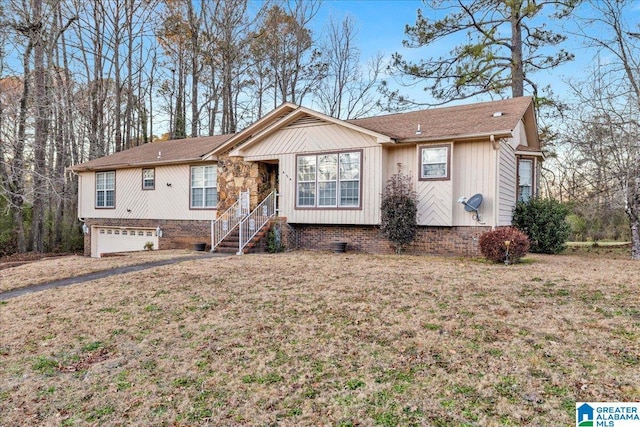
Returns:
(135, 165)
(464, 137)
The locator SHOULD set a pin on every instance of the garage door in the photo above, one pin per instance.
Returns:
(105, 240)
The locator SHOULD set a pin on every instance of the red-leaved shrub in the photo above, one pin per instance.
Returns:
(494, 246)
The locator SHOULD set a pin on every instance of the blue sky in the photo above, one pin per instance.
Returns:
(381, 25)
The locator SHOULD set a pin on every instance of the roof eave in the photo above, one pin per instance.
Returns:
(140, 164)
(461, 138)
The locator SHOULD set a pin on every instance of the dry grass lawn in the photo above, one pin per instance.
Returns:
(50, 269)
(325, 339)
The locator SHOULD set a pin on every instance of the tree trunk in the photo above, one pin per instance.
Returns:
(635, 240)
(194, 24)
(41, 133)
(17, 164)
(517, 73)
(118, 81)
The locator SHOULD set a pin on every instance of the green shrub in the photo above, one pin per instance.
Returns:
(544, 221)
(505, 244)
(399, 208)
(274, 239)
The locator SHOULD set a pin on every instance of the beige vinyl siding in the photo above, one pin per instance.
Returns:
(474, 171)
(309, 139)
(434, 197)
(507, 184)
(285, 144)
(165, 202)
(519, 136)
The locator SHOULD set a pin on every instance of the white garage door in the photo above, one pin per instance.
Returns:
(105, 240)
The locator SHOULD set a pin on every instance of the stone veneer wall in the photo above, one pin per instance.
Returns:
(458, 241)
(176, 234)
(235, 176)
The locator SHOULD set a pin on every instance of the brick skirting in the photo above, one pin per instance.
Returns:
(176, 234)
(183, 234)
(459, 241)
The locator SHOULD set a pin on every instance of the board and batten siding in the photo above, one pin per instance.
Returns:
(164, 202)
(475, 171)
(286, 143)
(506, 184)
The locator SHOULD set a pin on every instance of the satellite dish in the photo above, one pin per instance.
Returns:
(473, 204)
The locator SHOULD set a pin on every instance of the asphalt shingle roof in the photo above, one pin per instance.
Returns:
(438, 123)
(449, 122)
(157, 153)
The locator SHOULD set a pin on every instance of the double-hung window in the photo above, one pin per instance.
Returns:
(204, 194)
(525, 179)
(330, 180)
(148, 179)
(434, 162)
(106, 189)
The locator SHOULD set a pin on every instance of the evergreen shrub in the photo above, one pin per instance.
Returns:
(399, 210)
(544, 222)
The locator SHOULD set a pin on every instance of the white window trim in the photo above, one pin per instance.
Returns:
(153, 180)
(447, 163)
(105, 190)
(338, 181)
(203, 187)
(532, 179)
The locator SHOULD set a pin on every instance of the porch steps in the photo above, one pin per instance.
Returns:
(258, 244)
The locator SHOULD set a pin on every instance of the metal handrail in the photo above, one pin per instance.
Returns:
(252, 223)
(228, 221)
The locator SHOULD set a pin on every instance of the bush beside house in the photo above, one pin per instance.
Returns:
(506, 245)
(544, 222)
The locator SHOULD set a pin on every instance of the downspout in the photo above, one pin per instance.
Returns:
(81, 219)
(496, 190)
(85, 227)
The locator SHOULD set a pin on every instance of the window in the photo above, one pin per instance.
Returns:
(434, 162)
(328, 180)
(525, 179)
(105, 189)
(148, 179)
(204, 194)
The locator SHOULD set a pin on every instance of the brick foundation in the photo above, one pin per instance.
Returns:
(458, 241)
(176, 234)
(183, 234)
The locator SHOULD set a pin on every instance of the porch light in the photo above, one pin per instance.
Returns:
(158, 231)
(85, 228)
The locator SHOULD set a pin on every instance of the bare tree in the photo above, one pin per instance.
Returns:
(285, 41)
(606, 130)
(349, 89)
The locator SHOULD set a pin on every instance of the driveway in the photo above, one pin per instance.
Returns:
(100, 275)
